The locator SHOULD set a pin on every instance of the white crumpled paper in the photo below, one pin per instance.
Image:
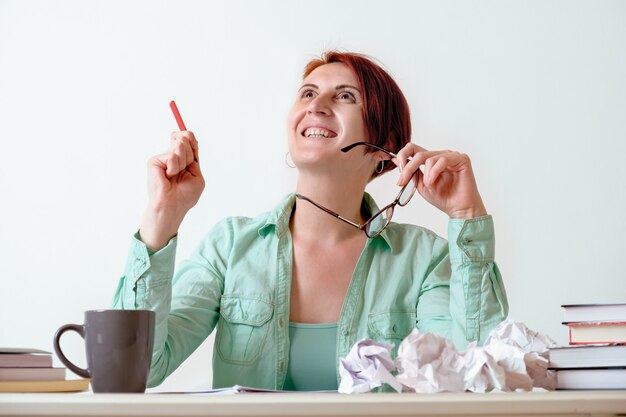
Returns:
(367, 366)
(424, 368)
(512, 358)
(524, 354)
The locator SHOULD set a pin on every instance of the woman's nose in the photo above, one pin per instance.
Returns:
(319, 105)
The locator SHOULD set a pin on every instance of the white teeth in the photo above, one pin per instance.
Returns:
(316, 133)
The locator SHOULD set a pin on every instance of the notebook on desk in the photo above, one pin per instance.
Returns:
(237, 389)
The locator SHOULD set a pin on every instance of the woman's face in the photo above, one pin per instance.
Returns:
(327, 115)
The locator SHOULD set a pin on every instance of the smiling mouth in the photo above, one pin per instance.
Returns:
(317, 132)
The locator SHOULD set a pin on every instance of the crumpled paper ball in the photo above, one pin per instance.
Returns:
(513, 357)
(367, 366)
(423, 368)
(524, 353)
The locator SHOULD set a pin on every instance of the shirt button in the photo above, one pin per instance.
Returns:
(345, 332)
(281, 322)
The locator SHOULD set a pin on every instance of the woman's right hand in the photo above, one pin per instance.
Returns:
(175, 184)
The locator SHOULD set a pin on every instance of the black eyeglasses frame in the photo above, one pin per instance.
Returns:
(390, 206)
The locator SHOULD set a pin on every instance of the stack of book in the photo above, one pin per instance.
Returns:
(596, 355)
(31, 370)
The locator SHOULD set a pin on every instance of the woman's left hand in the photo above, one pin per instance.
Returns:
(447, 182)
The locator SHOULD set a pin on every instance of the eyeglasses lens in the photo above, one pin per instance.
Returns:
(408, 191)
(378, 223)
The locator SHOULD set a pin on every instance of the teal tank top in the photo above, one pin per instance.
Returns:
(312, 356)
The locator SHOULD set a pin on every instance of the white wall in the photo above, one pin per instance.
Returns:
(534, 91)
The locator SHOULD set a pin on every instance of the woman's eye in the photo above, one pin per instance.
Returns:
(346, 95)
(307, 94)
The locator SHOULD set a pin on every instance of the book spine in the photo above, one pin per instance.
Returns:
(591, 325)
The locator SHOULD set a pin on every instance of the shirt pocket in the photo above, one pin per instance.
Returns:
(391, 326)
(244, 324)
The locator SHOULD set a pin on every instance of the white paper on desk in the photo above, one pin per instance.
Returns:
(367, 366)
(236, 389)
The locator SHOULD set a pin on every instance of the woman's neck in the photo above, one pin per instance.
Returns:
(311, 223)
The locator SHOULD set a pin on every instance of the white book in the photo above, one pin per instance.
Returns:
(594, 312)
(588, 356)
(588, 379)
(24, 358)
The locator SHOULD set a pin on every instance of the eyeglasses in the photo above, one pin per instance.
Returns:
(379, 221)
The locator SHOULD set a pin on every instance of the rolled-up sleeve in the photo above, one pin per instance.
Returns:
(186, 303)
(145, 270)
(462, 296)
(478, 301)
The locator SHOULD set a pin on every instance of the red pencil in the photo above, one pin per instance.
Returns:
(181, 125)
(179, 120)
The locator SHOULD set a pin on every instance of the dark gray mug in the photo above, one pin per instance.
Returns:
(118, 344)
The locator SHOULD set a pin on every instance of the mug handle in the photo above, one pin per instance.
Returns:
(80, 329)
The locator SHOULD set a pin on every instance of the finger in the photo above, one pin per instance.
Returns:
(437, 166)
(158, 164)
(403, 157)
(178, 151)
(425, 169)
(177, 159)
(183, 146)
(188, 134)
(413, 165)
(183, 157)
(193, 145)
(174, 136)
(441, 163)
(173, 167)
(159, 161)
(194, 169)
(188, 152)
(406, 153)
(194, 148)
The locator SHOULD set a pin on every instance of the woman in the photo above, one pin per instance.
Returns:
(292, 290)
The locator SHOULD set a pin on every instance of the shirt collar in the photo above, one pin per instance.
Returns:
(278, 219)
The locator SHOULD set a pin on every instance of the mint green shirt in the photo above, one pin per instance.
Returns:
(238, 280)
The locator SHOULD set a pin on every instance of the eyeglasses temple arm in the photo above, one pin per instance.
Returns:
(332, 213)
(349, 147)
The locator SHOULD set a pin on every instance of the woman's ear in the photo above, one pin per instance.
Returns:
(381, 156)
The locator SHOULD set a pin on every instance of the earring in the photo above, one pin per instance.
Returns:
(288, 161)
(381, 165)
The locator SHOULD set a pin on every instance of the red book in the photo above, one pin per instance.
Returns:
(597, 332)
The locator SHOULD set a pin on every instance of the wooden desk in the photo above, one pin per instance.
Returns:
(560, 403)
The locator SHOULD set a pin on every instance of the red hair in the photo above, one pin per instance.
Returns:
(385, 109)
